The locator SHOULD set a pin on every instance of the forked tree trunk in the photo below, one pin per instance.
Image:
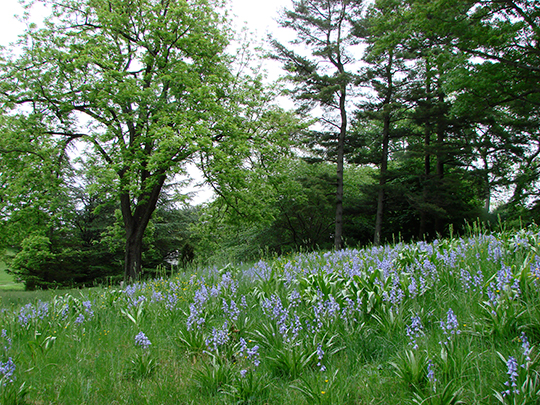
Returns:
(135, 223)
(338, 235)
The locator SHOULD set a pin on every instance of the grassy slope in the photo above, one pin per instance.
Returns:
(370, 359)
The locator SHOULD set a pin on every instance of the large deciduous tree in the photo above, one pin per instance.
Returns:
(140, 87)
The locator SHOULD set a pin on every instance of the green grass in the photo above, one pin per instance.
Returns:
(321, 328)
(6, 280)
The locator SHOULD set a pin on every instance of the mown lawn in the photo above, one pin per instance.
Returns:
(6, 280)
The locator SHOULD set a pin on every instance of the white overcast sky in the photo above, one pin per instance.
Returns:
(259, 15)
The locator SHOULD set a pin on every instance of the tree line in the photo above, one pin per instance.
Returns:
(411, 117)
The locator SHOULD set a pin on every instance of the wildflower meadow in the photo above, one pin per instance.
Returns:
(449, 322)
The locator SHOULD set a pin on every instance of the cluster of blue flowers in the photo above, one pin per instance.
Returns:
(513, 375)
(142, 340)
(371, 282)
(251, 354)
(87, 313)
(513, 366)
(415, 330)
(7, 369)
(30, 312)
(431, 374)
(450, 327)
(218, 337)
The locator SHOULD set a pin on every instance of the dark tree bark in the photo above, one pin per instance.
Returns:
(338, 235)
(382, 179)
(385, 143)
(323, 27)
(135, 223)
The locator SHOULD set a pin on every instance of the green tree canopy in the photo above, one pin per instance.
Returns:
(141, 87)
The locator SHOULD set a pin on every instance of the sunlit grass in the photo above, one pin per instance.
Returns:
(7, 282)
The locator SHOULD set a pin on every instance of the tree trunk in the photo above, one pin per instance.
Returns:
(487, 185)
(133, 255)
(135, 224)
(441, 130)
(384, 158)
(338, 236)
(382, 180)
(427, 156)
(426, 176)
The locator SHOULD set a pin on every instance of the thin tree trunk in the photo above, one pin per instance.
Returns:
(427, 174)
(440, 151)
(427, 156)
(338, 236)
(487, 185)
(384, 158)
(441, 129)
(382, 180)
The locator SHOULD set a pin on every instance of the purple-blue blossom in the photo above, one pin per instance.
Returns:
(413, 289)
(415, 330)
(466, 280)
(42, 309)
(219, 337)
(451, 326)
(294, 299)
(231, 309)
(171, 301)
(512, 376)
(478, 281)
(7, 339)
(250, 354)
(253, 355)
(26, 314)
(157, 296)
(65, 311)
(142, 340)
(196, 317)
(320, 355)
(88, 308)
(6, 371)
(431, 373)
(525, 345)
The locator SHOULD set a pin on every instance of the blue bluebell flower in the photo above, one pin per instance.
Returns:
(415, 330)
(142, 340)
(512, 376)
(7, 370)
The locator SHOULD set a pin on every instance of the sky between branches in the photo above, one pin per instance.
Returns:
(259, 17)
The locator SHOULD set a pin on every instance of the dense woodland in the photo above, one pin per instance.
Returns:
(413, 119)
